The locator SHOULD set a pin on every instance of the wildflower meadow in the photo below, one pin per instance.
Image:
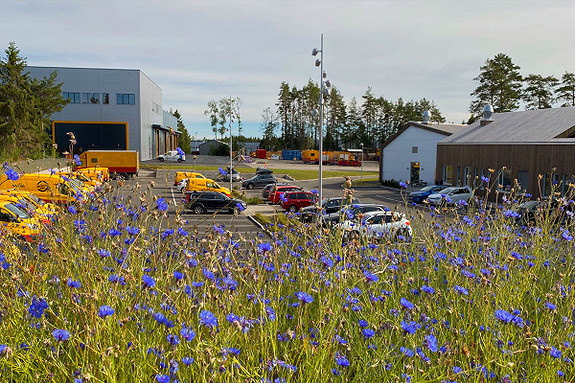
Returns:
(118, 290)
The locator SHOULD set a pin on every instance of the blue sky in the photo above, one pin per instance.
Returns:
(197, 51)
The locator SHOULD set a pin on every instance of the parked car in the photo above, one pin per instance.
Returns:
(266, 190)
(259, 180)
(351, 212)
(294, 201)
(204, 201)
(451, 195)
(422, 194)
(234, 174)
(183, 175)
(328, 205)
(277, 191)
(555, 211)
(378, 224)
(172, 155)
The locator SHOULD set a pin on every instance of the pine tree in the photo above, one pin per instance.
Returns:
(25, 107)
(499, 85)
(566, 90)
(184, 141)
(539, 91)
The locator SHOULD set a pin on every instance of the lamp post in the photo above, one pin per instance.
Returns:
(324, 84)
(361, 160)
(231, 154)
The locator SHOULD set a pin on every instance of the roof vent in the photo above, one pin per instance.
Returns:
(426, 117)
(487, 113)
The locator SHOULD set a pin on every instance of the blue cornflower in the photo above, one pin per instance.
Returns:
(484, 179)
(187, 333)
(368, 333)
(407, 304)
(370, 277)
(341, 360)
(61, 335)
(12, 174)
(240, 206)
(555, 353)
(431, 343)
(461, 290)
(427, 289)
(263, 247)
(105, 311)
(222, 172)
(72, 209)
(77, 160)
(163, 378)
(304, 297)
(550, 306)
(147, 281)
(187, 360)
(178, 275)
(230, 350)
(402, 185)
(208, 319)
(507, 317)
(162, 204)
(37, 307)
(173, 339)
(362, 323)
(180, 152)
(410, 327)
(74, 284)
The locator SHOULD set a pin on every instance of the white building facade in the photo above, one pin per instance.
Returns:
(111, 109)
(410, 155)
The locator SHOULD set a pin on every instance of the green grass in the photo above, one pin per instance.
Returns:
(297, 174)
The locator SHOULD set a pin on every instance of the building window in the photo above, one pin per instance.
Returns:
(105, 98)
(125, 98)
(414, 149)
(72, 96)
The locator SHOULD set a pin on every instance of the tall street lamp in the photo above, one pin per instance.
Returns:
(324, 84)
(361, 160)
(231, 153)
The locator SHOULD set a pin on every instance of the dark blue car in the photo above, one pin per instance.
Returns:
(422, 194)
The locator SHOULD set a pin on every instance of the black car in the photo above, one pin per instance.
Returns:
(259, 180)
(555, 211)
(203, 201)
(329, 205)
(350, 212)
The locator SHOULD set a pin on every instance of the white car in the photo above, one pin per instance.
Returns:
(172, 155)
(451, 195)
(181, 186)
(378, 224)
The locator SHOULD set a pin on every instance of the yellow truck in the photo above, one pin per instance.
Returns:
(48, 187)
(16, 221)
(206, 184)
(125, 163)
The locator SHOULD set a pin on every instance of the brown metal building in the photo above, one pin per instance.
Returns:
(534, 147)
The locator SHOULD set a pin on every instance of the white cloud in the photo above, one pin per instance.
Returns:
(202, 50)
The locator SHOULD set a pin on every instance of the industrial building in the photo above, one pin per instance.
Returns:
(111, 109)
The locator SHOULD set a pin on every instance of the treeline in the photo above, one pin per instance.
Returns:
(502, 85)
(26, 105)
(346, 125)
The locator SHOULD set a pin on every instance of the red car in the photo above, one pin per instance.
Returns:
(294, 201)
(276, 192)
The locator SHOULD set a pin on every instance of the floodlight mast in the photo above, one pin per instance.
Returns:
(319, 62)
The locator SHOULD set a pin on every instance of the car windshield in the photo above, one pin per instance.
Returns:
(16, 211)
(36, 199)
(427, 188)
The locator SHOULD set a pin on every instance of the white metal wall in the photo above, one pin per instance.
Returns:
(398, 156)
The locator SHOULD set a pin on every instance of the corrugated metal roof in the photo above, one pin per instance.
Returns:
(530, 126)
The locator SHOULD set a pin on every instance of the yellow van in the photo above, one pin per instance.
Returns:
(16, 221)
(97, 173)
(87, 181)
(23, 203)
(48, 187)
(186, 175)
(202, 184)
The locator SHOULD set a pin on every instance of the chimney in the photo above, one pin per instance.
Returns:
(487, 113)
(425, 117)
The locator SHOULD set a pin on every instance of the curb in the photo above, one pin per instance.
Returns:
(262, 228)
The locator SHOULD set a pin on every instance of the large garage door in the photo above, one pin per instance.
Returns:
(90, 135)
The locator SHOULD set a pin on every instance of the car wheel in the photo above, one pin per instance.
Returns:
(161, 159)
(179, 160)
(251, 186)
(235, 211)
(292, 209)
(199, 209)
